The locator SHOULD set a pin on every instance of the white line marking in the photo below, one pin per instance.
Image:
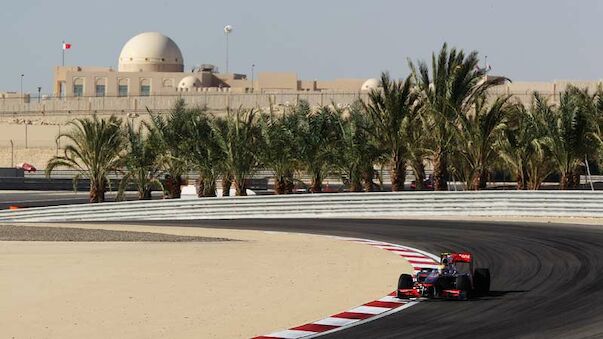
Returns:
(395, 310)
(333, 321)
(421, 260)
(369, 309)
(291, 334)
(391, 299)
(405, 252)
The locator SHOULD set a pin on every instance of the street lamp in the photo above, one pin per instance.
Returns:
(227, 31)
(39, 93)
(252, 74)
(22, 96)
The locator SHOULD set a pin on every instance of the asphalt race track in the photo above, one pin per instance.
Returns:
(547, 279)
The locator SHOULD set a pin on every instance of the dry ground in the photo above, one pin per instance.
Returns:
(203, 289)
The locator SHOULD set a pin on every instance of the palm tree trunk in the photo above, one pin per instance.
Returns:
(355, 184)
(145, 194)
(440, 172)
(174, 190)
(398, 174)
(564, 181)
(200, 187)
(240, 188)
(419, 170)
(521, 178)
(479, 180)
(367, 180)
(316, 186)
(280, 185)
(226, 184)
(209, 187)
(97, 191)
(289, 184)
(475, 181)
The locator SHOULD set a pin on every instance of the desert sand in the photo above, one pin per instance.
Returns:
(261, 283)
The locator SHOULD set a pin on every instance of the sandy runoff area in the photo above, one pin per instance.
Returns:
(253, 284)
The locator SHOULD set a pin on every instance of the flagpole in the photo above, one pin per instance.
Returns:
(63, 49)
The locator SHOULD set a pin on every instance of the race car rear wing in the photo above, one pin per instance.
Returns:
(458, 257)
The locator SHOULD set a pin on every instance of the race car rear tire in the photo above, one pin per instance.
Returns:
(481, 281)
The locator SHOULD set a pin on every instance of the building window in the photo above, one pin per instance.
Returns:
(145, 87)
(123, 90)
(78, 87)
(122, 87)
(145, 90)
(100, 90)
(78, 90)
(99, 87)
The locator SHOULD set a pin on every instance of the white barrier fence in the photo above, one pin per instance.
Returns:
(340, 205)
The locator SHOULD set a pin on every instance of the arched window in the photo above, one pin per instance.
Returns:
(78, 87)
(122, 89)
(100, 87)
(145, 87)
(168, 83)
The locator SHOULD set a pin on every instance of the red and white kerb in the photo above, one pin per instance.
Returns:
(369, 311)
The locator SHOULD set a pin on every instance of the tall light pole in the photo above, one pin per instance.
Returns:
(252, 76)
(39, 93)
(227, 31)
(22, 96)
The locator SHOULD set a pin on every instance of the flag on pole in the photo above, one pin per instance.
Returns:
(66, 45)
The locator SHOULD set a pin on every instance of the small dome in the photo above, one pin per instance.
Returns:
(189, 83)
(370, 84)
(150, 52)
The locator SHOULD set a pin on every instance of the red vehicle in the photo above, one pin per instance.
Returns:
(427, 183)
(455, 278)
(27, 167)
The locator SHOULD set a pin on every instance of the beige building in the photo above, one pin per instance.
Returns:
(152, 64)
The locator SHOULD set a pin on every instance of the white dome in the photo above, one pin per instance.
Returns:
(150, 52)
(188, 83)
(370, 84)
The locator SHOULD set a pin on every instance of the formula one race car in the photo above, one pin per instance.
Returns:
(455, 278)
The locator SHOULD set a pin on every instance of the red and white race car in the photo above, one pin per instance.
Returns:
(455, 278)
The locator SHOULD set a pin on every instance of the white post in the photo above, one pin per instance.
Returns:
(12, 153)
(590, 179)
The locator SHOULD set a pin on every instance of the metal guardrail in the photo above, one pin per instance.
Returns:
(484, 203)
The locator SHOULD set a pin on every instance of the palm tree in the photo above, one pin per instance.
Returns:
(356, 153)
(141, 162)
(171, 130)
(204, 153)
(390, 110)
(93, 151)
(448, 91)
(316, 137)
(238, 137)
(417, 140)
(521, 147)
(278, 149)
(572, 133)
(476, 135)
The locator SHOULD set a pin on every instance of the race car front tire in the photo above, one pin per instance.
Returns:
(463, 283)
(405, 282)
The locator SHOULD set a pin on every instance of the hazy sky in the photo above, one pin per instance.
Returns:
(328, 39)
